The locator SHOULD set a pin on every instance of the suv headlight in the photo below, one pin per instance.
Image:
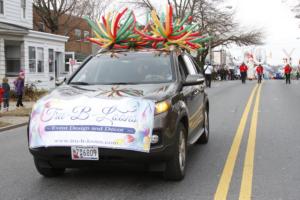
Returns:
(162, 106)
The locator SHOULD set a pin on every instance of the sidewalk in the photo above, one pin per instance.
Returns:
(15, 117)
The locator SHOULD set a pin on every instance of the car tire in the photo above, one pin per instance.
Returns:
(176, 166)
(47, 171)
(205, 136)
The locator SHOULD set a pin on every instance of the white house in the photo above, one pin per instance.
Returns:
(40, 54)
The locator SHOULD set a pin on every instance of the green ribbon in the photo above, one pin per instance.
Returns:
(181, 23)
(95, 27)
(126, 24)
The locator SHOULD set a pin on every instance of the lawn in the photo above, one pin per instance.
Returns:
(22, 112)
(3, 124)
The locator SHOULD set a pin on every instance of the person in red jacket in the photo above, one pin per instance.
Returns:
(260, 72)
(1, 95)
(287, 71)
(243, 71)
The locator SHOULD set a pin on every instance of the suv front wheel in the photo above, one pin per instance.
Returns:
(47, 171)
(205, 136)
(175, 168)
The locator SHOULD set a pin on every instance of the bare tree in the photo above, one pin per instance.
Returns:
(220, 24)
(213, 21)
(65, 13)
(142, 4)
(295, 8)
(96, 8)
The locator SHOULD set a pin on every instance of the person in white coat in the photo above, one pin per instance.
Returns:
(208, 70)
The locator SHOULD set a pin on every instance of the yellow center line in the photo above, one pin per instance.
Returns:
(226, 176)
(246, 185)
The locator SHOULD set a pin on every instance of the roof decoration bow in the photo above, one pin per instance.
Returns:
(111, 33)
(121, 31)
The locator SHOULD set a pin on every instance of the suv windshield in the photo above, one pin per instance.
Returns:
(125, 68)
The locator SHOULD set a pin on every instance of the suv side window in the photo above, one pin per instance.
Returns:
(196, 65)
(182, 68)
(190, 65)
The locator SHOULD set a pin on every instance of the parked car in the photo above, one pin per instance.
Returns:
(278, 75)
(170, 79)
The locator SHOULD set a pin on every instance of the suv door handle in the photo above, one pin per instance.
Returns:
(202, 87)
(196, 92)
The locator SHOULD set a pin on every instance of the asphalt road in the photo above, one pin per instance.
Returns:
(273, 145)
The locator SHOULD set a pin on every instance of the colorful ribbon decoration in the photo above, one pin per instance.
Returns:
(159, 33)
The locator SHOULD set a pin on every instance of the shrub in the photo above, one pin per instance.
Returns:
(29, 94)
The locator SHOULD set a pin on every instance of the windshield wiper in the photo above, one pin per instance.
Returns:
(79, 83)
(121, 83)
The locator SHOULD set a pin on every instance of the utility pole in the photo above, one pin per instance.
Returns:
(210, 52)
(209, 47)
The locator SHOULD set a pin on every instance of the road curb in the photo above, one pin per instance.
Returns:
(13, 126)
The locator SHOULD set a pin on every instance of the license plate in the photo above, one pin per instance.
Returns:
(84, 153)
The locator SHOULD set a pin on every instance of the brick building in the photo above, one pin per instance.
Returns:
(77, 29)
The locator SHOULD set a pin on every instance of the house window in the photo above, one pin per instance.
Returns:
(41, 26)
(77, 34)
(1, 7)
(32, 59)
(36, 59)
(51, 60)
(12, 58)
(40, 59)
(86, 34)
(23, 7)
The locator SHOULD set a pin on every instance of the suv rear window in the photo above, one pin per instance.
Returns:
(126, 68)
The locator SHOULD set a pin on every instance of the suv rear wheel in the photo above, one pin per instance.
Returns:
(175, 168)
(46, 170)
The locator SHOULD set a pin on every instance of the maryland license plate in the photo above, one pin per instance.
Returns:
(84, 153)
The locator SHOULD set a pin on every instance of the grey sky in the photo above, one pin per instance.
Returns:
(276, 18)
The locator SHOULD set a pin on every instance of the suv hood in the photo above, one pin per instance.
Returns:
(156, 92)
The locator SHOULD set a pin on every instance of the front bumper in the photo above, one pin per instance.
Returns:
(162, 151)
(61, 156)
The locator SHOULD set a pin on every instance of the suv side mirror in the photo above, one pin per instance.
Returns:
(60, 81)
(194, 79)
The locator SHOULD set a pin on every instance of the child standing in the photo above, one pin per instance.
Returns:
(6, 89)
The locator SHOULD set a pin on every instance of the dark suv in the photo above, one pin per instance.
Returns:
(169, 78)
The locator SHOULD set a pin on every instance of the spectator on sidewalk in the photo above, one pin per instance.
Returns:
(231, 72)
(19, 86)
(208, 69)
(219, 74)
(6, 88)
(260, 72)
(298, 72)
(223, 74)
(243, 71)
(1, 96)
(287, 72)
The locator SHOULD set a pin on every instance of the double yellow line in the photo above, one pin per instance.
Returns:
(246, 185)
